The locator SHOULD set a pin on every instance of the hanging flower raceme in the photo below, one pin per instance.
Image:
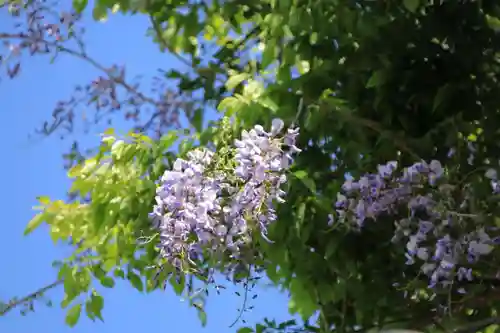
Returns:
(441, 233)
(185, 204)
(203, 206)
(261, 159)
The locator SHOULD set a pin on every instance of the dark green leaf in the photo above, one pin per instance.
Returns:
(308, 182)
(378, 78)
(259, 328)
(107, 282)
(197, 119)
(94, 306)
(79, 5)
(135, 280)
(411, 5)
(245, 330)
(442, 95)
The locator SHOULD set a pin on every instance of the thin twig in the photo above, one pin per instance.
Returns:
(86, 58)
(13, 304)
(245, 297)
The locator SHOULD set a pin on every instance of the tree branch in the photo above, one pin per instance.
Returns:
(83, 56)
(13, 304)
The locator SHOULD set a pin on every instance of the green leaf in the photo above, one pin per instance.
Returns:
(472, 137)
(79, 5)
(245, 330)
(254, 89)
(411, 5)
(331, 248)
(107, 282)
(300, 174)
(185, 146)
(73, 315)
(299, 217)
(301, 212)
(269, 54)
(135, 280)
(301, 300)
(259, 328)
(71, 284)
(267, 102)
(118, 272)
(287, 324)
(377, 79)
(235, 80)
(167, 140)
(303, 67)
(230, 105)
(44, 200)
(100, 13)
(94, 306)
(492, 328)
(89, 311)
(34, 223)
(493, 22)
(308, 182)
(442, 95)
(197, 120)
(202, 316)
(178, 283)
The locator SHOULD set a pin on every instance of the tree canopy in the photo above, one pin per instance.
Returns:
(387, 215)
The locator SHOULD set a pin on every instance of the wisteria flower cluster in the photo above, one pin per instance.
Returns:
(201, 206)
(442, 234)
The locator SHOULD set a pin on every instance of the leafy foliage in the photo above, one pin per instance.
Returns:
(374, 81)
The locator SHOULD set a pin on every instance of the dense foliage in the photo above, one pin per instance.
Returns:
(388, 217)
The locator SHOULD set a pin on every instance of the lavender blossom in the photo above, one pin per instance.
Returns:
(421, 194)
(261, 159)
(186, 204)
(201, 209)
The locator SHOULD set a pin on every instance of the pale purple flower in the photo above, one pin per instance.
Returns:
(421, 195)
(204, 209)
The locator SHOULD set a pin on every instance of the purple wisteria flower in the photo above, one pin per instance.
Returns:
(186, 202)
(201, 209)
(444, 239)
(261, 158)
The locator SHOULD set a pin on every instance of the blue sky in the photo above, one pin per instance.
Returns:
(30, 168)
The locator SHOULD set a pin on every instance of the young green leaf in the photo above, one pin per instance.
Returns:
(235, 80)
(73, 315)
(202, 315)
(34, 223)
(167, 140)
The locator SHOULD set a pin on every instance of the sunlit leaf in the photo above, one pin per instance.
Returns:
(73, 315)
